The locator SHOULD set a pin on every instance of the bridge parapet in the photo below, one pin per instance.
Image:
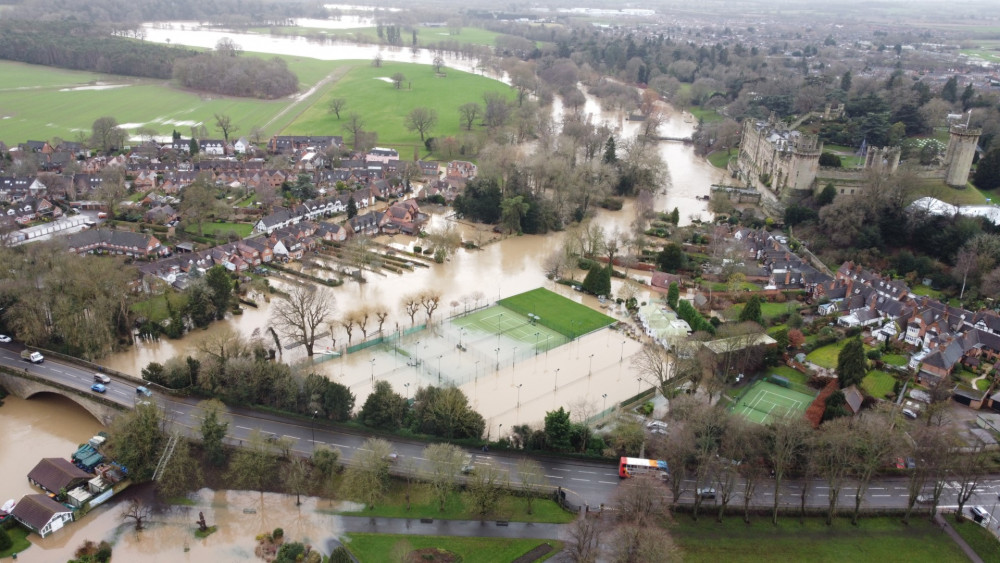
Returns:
(25, 385)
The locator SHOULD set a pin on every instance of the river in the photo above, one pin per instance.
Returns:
(518, 387)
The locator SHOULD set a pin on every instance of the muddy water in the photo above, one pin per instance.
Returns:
(169, 536)
(43, 426)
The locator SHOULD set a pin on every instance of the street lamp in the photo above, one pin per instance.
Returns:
(590, 370)
(312, 425)
(439, 370)
(514, 357)
(556, 385)
(623, 352)
(416, 351)
(407, 386)
(499, 320)
(519, 394)
(537, 334)
(605, 407)
(477, 370)
(638, 382)
(373, 373)
(498, 360)
(460, 334)
(499, 431)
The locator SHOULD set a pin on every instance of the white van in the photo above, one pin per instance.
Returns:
(980, 515)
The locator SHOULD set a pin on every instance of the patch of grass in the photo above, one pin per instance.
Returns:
(19, 537)
(557, 312)
(790, 374)
(705, 115)
(217, 228)
(768, 310)
(827, 355)
(40, 102)
(983, 384)
(895, 359)
(873, 539)
(979, 539)
(155, 308)
(723, 286)
(209, 531)
(921, 289)
(423, 504)
(384, 108)
(878, 383)
(936, 188)
(378, 547)
(719, 159)
(248, 202)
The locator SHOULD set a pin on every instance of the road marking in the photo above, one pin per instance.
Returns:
(338, 445)
(558, 469)
(287, 436)
(244, 428)
(588, 472)
(607, 482)
(575, 479)
(881, 495)
(554, 476)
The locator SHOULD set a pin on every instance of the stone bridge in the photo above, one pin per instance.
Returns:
(26, 385)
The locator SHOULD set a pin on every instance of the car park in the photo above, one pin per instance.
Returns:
(98, 388)
(102, 378)
(4, 338)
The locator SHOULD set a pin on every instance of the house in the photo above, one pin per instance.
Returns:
(292, 143)
(461, 169)
(41, 514)
(97, 241)
(242, 146)
(53, 474)
(854, 399)
(381, 155)
(216, 147)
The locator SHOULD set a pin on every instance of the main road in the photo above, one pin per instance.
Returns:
(587, 483)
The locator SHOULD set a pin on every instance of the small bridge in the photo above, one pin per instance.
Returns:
(25, 385)
(674, 139)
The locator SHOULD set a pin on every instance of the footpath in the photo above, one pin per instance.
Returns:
(969, 552)
(462, 528)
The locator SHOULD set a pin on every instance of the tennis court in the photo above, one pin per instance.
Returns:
(765, 401)
(498, 320)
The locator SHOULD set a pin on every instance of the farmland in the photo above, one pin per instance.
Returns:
(39, 103)
(384, 108)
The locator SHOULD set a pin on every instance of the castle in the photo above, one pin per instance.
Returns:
(783, 163)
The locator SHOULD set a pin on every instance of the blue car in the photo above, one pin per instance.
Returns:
(98, 387)
(141, 390)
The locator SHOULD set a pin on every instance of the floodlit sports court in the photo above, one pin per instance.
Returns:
(764, 401)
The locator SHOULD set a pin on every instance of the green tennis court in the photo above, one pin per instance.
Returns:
(765, 401)
(559, 313)
(498, 320)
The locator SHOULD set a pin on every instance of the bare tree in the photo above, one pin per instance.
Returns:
(640, 499)
(485, 487)
(786, 438)
(377, 60)
(299, 315)
(584, 543)
(296, 478)
(355, 125)
(225, 46)
(429, 300)
(368, 478)
(336, 105)
(348, 321)
(362, 316)
(411, 304)
(381, 314)
(224, 124)
(655, 365)
(421, 120)
(468, 113)
(438, 63)
(398, 79)
(445, 465)
(833, 460)
(875, 440)
(968, 468)
(136, 511)
(927, 444)
(531, 477)
(752, 469)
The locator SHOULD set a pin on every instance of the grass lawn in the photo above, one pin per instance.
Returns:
(384, 108)
(215, 228)
(895, 359)
(155, 308)
(790, 374)
(874, 539)
(936, 188)
(40, 102)
(983, 384)
(878, 383)
(19, 537)
(379, 547)
(557, 312)
(827, 355)
(706, 115)
(424, 505)
(979, 539)
(921, 289)
(723, 286)
(719, 159)
(768, 310)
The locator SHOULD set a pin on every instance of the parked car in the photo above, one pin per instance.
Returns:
(924, 499)
(143, 391)
(656, 424)
(101, 378)
(909, 414)
(4, 338)
(98, 388)
(980, 514)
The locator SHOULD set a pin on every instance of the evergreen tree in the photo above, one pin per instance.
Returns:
(751, 312)
(352, 208)
(949, 92)
(827, 195)
(557, 429)
(193, 146)
(598, 280)
(845, 81)
(671, 258)
(675, 217)
(610, 152)
(673, 294)
(851, 364)
(967, 96)
(5, 541)
(987, 174)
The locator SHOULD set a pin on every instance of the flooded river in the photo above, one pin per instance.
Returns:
(592, 372)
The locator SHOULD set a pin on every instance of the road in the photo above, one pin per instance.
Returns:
(586, 482)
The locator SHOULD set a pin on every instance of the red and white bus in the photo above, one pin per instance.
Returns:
(632, 466)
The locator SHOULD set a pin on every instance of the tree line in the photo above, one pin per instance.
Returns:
(90, 47)
(225, 73)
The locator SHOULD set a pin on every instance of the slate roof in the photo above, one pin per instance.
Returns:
(54, 473)
(36, 510)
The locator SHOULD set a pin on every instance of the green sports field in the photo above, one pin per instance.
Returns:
(562, 315)
(765, 401)
(498, 320)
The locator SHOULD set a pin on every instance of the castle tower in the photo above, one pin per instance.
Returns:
(958, 158)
